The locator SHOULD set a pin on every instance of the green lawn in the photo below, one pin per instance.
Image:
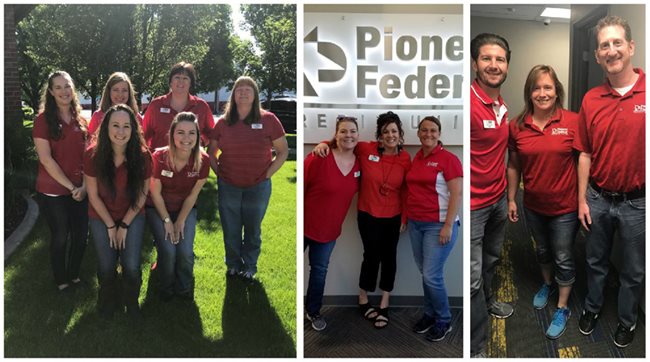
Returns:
(228, 318)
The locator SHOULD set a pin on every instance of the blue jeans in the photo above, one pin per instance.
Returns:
(243, 208)
(319, 259)
(487, 232)
(175, 262)
(627, 218)
(129, 258)
(554, 237)
(430, 257)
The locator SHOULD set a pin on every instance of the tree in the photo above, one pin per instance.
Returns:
(274, 29)
(247, 62)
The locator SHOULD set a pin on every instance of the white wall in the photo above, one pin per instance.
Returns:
(635, 16)
(531, 43)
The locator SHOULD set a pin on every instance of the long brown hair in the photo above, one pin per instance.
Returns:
(136, 152)
(231, 115)
(51, 111)
(529, 87)
(105, 103)
(196, 150)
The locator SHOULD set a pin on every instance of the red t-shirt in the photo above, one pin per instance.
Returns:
(612, 128)
(548, 164)
(488, 142)
(67, 151)
(177, 186)
(328, 194)
(382, 181)
(428, 195)
(98, 117)
(119, 205)
(246, 149)
(160, 114)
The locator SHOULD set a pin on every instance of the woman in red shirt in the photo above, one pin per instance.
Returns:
(330, 183)
(179, 172)
(383, 166)
(541, 151)
(434, 194)
(117, 171)
(60, 137)
(118, 90)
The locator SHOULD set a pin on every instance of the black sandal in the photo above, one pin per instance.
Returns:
(368, 311)
(381, 321)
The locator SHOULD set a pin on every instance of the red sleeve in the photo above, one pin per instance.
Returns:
(453, 168)
(207, 121)
(581, 141)
(277, 130)
(512, 142)
(147, 125)
(95, 121)
(308, 171)
(205, 166)
(89, 165)
(40, 128)
(406, 163)
(156, 159)
(215, 132)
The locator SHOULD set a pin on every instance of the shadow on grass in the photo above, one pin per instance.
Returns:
(206, 206)
(42, 322)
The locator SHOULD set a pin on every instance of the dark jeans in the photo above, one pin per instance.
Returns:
(129, 259)
(175, 261)
(379, 237)
(241, 210)
(554, 237)
(627, 219)
(319, 259)
(66, 217)
(487, 232)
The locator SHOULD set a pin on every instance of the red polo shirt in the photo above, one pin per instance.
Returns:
(117, 206)
(160, 114)
(328, 194)
(382, 181)
(98, 117)
(246, 149)
(548, 164)
(488, 141)
(177, 186)
(612, 128)
(67, 151)
(428, 195)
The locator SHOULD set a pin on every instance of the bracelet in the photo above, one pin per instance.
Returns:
(112, 227)
(123, 225)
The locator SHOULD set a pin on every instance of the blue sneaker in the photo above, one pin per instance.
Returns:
(541, 297)
(558, 324)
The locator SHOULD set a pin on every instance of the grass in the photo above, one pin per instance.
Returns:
(228, 318)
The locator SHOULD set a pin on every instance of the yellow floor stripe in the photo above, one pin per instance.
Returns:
(507, 291)
(497, 343)
(569, 352)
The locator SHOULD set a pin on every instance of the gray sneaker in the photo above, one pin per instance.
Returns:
(317, 322)
(500, 310)
(482, 354)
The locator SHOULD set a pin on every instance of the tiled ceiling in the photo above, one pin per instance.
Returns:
(516, 12)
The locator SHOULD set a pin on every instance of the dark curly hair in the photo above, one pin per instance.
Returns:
(51, 111)
(137, 156)
(383, 120)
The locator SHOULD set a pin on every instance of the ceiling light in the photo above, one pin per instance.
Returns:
(556, 13)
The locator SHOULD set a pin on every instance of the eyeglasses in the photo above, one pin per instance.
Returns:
(342, 117)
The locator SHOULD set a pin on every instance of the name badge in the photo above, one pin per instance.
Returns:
(489, 123)
(256, 126)
(167, 173)
(373, 158)
(357, 174)
(165, 110)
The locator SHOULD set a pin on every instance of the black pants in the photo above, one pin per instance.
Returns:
(66, 217)
(379, 237)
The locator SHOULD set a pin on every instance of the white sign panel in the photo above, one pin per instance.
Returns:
(362, 65)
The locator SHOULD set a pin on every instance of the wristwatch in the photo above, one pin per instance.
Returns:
(123, 225)
(167, 219)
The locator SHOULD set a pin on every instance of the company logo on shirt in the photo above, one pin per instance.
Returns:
(192, 174)
(560, 131)
(639, 108)
(432, 164)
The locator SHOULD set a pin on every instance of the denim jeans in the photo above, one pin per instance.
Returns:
(319, 259)
(627, 218)
(487, 232)
(243, 208)
(175, 262)
(554, 237)
(379, 236)
(430, 257)
(129, 258)
(66, 217)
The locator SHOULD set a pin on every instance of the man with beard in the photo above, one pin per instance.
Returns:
(489, 138)
(611, 177)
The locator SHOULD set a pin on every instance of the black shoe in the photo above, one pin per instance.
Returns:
(623, 335)
(424, 324)
(438, 332)
(587, 322)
